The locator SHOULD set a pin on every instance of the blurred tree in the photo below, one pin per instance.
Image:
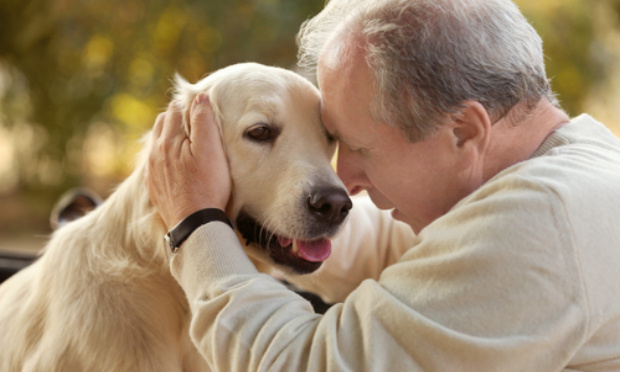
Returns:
(80, 77)
(570, 43)
(104, 66)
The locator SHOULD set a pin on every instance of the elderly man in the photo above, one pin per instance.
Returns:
(443, 115)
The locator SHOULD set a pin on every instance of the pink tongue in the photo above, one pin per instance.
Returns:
(314, 251)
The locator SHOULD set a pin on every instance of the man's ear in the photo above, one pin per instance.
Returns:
(471, 126)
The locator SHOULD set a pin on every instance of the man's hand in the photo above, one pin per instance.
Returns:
(186, 174)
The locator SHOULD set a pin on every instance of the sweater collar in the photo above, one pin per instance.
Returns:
(562, 136)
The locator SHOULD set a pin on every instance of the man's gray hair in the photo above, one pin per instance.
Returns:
(429, 56)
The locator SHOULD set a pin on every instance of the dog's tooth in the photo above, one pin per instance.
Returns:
(285, 242)
(294, 248)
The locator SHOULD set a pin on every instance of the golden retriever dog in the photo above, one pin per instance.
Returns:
(101, 297)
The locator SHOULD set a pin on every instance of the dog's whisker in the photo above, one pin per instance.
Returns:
(267, 226)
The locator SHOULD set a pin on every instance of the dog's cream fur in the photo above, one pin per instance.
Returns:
(101, 297)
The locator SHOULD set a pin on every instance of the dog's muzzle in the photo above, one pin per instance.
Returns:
(325, 209)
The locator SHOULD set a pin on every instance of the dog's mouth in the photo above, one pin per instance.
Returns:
(302, 256)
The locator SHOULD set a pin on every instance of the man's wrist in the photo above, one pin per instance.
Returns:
(179, 233)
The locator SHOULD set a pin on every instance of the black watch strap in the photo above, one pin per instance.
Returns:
(178, 234)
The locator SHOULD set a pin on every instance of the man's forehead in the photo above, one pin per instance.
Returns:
(325, 121)
(339, 51)
(322, 113)
(332, 55)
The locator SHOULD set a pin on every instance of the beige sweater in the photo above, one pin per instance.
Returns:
(522, 275)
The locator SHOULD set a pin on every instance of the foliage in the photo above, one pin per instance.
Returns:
(101, 69)
(575, 55)
(82, 79)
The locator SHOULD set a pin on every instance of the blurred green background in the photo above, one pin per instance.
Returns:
(81, 81)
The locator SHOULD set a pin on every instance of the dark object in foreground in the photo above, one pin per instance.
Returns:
(11, 263)
(319, 306)
(72, 205)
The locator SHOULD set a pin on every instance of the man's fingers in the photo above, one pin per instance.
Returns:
(204, 126)
(172, 130)
(159, 124)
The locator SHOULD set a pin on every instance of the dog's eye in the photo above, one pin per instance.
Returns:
(262, 133)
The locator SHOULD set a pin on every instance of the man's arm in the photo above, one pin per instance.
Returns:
(465, 297)
(485, 287)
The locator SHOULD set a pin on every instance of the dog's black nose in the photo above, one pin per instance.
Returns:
(329, 205)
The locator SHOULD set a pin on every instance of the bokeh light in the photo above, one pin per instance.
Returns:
(82, 81)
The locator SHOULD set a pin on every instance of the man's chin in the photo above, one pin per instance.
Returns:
(380, 202)
(397, 215)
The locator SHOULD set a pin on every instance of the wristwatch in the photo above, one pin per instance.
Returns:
(178, 234)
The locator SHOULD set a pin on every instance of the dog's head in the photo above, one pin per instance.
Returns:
(287, 200)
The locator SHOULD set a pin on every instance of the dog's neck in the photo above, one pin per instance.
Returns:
(139, 223)
(126, 227)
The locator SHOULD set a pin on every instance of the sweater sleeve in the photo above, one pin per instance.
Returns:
(488, 287)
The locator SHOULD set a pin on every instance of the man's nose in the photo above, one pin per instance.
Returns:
(348, 171)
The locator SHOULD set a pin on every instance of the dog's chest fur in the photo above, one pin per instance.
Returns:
(100, 298)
